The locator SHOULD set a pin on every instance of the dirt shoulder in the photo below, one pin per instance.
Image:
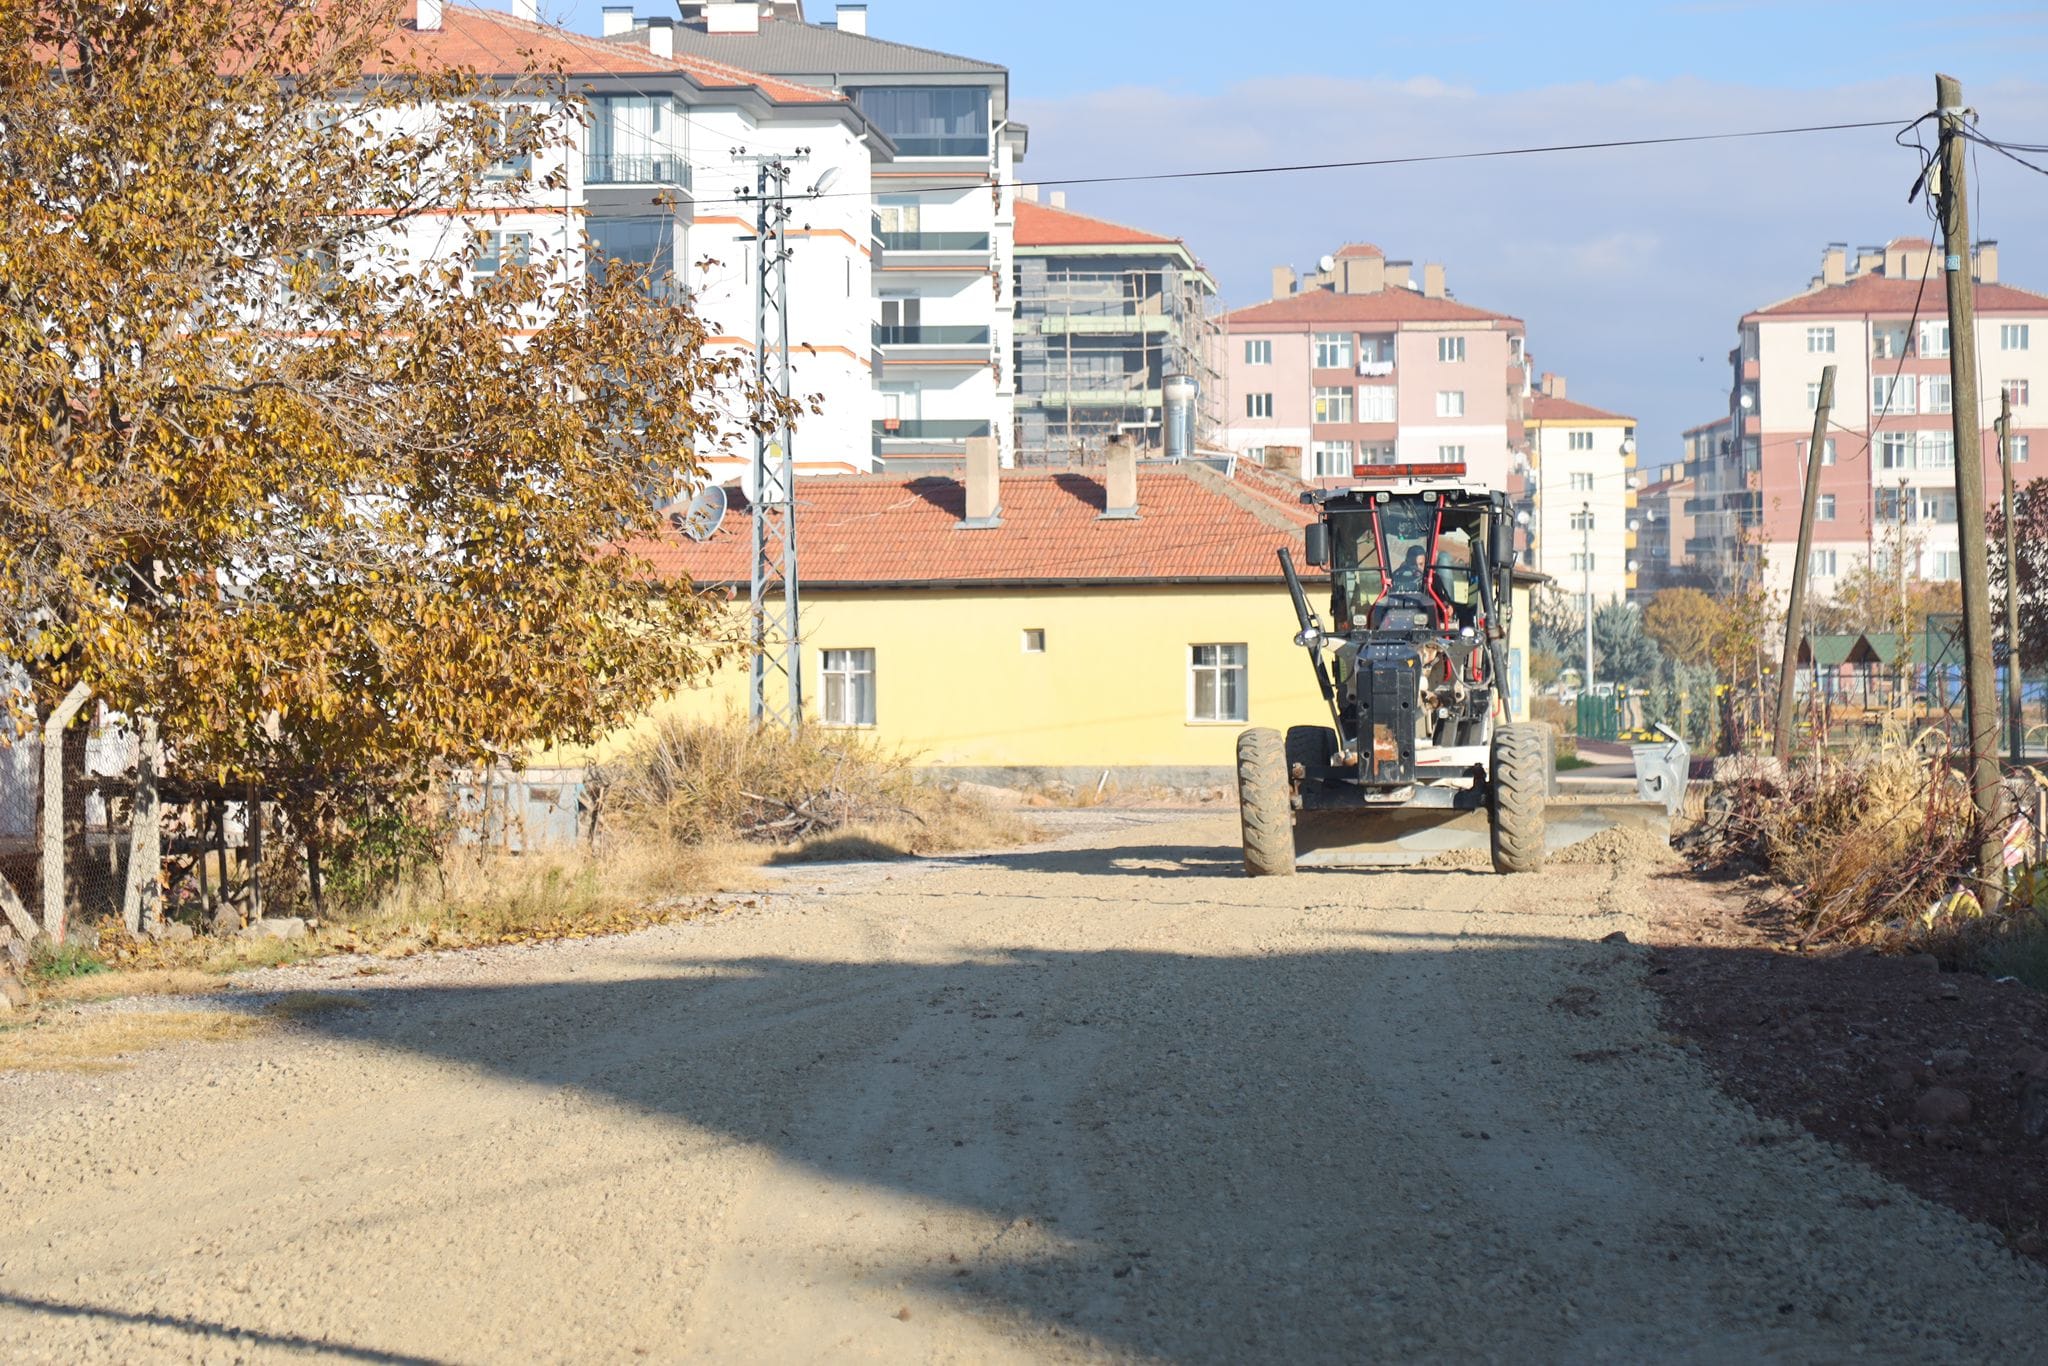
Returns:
(1918, 1072)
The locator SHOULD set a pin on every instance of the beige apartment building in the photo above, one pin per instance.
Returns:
(1887, 480)
(1361, 363)
(1581, 494)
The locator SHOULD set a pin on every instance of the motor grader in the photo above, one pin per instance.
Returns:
(1414, 669)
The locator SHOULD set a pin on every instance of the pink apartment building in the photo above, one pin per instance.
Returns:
(1360, 364)
(1887, 483)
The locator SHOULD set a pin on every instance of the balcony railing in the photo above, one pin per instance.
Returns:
(935, 241)
(929, 428)
(636, 169)
(932, 336)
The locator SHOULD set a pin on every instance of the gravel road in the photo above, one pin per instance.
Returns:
(1110, 1099)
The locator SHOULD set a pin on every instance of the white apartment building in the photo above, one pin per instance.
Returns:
(1887, 479)
(1582, 469)
(943, 209)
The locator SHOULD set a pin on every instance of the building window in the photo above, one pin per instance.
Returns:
(1579, 441)
(1333, 405)
(1937, 394)
(644, 247)
(929, 121)
(1382, 453)
(1450, 348)
(1895, 451)
(1937, 450)
(1582, 561)
(1898, 506)
(1827, 451)
(2016, 447)
(1258, 353)
(1450, 455)
(2015, 391)
(1813, 397)
(1948, 566)
(1582, 520)
(1938, 505)
(849, 687)
(1034, 640)
(1376, 403)
(1332, 459)
(1450, 403)
(1824, 510)
(1216, 683)
(1892, 394)
(1824, 562)
(496, 251)
(1333, 350)
(1934, 339)
(1255, 454)
(1820, 341)
(1888, 343)
(2012, 336)
(1582, 481)
(1258, 405)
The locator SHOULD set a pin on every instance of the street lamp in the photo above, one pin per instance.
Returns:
(1586, 562)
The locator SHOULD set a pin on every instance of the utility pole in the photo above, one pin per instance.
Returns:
(1985, 789)
(774, 640)
(1586, 562)
(2016, 734)
(1795, 619)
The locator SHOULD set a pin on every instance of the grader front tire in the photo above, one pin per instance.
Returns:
(1266, 814)
(1520, 779)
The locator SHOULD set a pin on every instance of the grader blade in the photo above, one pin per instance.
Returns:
(1405, 836)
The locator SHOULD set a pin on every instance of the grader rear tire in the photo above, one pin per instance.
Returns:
(1520, 781)
(1262, 804)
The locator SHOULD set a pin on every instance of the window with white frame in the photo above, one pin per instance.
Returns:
(1813, 396)
(2016, 446)
(1898, 506)
(1938, 505)
(1582, 520)
(1333, 350)
(1936, 394)
(1893, 394)
(1450, 403)
(1937, 450)
(1824, 509)
(1947, 566)
(1216, 682)
(1450, 455)
(1583, 561)
(1824, 562)
(1332, 459)
(1933, 339)
(1450, 348)
(849, 687)
(1581, 481)
(1578, 441)
(1333, 404)
(1888, 343)
(2015, 392)
(1827, 451)
(1820, 341)
(1255, 454)
(1258, 405)
(1377, 453)
(1258, 353)
(1376, 403)
(2012, 336)
(496, 251)
(1895, 451)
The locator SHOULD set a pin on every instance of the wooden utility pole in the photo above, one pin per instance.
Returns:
(1795, 619)
(2016, 733)
(1978, 679)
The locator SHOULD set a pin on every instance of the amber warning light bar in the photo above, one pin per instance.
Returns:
(1453, 469)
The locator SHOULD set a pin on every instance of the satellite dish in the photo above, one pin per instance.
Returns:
(1327, 264)
(701, 520)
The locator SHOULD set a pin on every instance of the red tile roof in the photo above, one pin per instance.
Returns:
(1360, 249)
(1387, 306)
(494, 43)
(874, 530)
(1544, 408)
(1880, 294)
(1041, 225)
(1909, 244)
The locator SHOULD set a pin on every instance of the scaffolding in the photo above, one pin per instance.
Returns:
(1096, 340)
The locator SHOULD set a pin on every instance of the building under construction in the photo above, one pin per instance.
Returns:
(1115, 335)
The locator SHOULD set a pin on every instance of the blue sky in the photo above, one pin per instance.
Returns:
(1629, 267)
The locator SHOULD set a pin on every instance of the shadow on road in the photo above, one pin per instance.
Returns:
(207, 1329)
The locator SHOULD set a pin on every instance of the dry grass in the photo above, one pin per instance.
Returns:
(105, 1042)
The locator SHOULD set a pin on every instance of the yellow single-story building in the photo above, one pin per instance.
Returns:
(1042, 625)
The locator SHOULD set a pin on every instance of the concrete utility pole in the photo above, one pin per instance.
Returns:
(1985, 784)
(1795, 619)
(2016, 733)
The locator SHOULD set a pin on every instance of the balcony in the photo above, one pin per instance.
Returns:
(935, 241)
(913, 435)
(938, 335)
(636, 169)
(1375, 369)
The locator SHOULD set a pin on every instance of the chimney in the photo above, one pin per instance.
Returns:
(618, 19)
(1029, 192)
(1432, 280)
(1058, 199)
(732, 16)
(1283, 282)
(661, 38)
(1985, 263)
(853, 19)
(1361, 274)
(1550, 386)
(1120, 482)
(1834, 264)
(426, 16)
(984, 510)
(529, 10)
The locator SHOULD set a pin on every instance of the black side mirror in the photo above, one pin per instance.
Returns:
(1315, 544)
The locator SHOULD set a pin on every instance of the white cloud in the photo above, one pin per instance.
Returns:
(1627, 264)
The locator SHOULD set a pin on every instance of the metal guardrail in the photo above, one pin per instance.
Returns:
(938, 335)
(930, 428)
(935, 241)
(636, 169)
